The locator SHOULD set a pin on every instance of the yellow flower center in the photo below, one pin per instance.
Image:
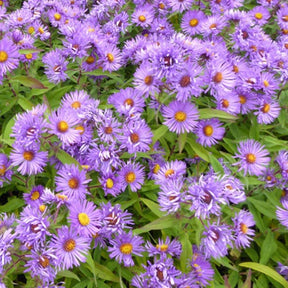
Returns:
(2, 170)
(126, 248)
(35, 195)
(84, 219)
(142, 18)
(180, 116)
(90, 60)
(213, 26)
(129, 102)
(28, 155)
(169, 172)
(235, 69)
(268, 178)
(69, 245)
(44, 261)
(193, 22)
(76, 105)
(61, 197)
(266, 83)
(284, 31)
(57, 16)
(243, 228)
(73, 183)
(41, 30)
(109, 183)
(258, 16)
(62, 126)
(42, 208)
(31, 30)
(161, 5)
(285, 18)
(208, 130)
(1, 3)
(134, 137)
(242, 99)
(250, 158)
(156, 168)
(80, 128)
(130, 177)
(266, 108)
(28, 56)
(110, 57)
(162, 248)
(218, 77)
(3, 56)
(225, 103)
(148, 80)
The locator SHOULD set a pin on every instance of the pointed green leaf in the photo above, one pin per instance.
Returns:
(65, 158)
(265, 208)
(198, 149)
(25, 103)
(186, 254)
(267, 271)
(207, 113)
(161, 131)
(154, 207)
(268, 248)
(68, 274)
(29, 82)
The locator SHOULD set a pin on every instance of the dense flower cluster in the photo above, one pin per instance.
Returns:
(223, 59)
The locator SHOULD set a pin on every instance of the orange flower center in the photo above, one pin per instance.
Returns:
(44, 261)
(126, 248)
(218, 77)
(76, 105)
(134, 137)
(243, 228)
(129, 102)
(73, 183)
(225, 103)
(108, 130)
(62, 126)
(110, 57)
(250, 158)
(69, 245)
(162, 248)
(130, 177)
(90, 60)
(28, 56)
(109, 183)
(180, 116)
(28, 155)
(208, 130)
(185, 81)
(2, 170)
(193, 22)
(169, 172)
(242, 99)
(258, 16)
(156, 168)
(57, 16)
(35, 195)
(142, 18)
(3, 56)
(148, 80)
(265, 108)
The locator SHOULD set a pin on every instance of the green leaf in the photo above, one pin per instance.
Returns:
(161, 131)
(268, 248)
(6, 103)
(267, 271)
(161, 223)
(12, 205)
(100, 72)
(29, 51)
(65, 158)
(29, 82)
(186, 254)
(68, 274)
(101, 271)
(25, 103)
(207, 113)
(198, 149)
(154, 207)
(182, 141)
(265, 208)
(216, 164)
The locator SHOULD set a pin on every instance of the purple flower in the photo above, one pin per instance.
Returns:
(84, 218)
(132, 174)
(180, 6)
(30, 160)
(110, 184)
(282, 214)
(191, 22)
(268, 111)
(55, 66)
(111, 58)
(6, 242)
(137, 136)
(209, 132)
(216, 241)
(167, 247)
(253, 157)
(70, 248)
(143, 16)
(8, 56)
(5, 171)
(242, 223)
(34, 197)
(180, 117)
(233, 189)
(72, 182)
(123, 246)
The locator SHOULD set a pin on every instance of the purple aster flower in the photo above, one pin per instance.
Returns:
(49, 197)
(247, 100)
(282, 214)
(32, 227)
(253, 157)
(170, 196)
(55, 66)
(145, 80)
(30, 160)
(126, 99)
(216, 241)
(202, 271)
(282, 161)
(70, 248)
(114, 219)
(109, 128)
(242, 223)
(123, 246)
(180, 117)
(41, 264)
(180, 6)
(6, 242)
(167, 247)
(132, 174)
(209, 132)
(206, 196)
(84, 218)
(283, 270)
(34, 197)
(282, 17)
(191, 22)
(72, 182)
(5, 172)
(137, 137)
(171, 170)
(233, 189)
(259, 15)
(143, 16)
(267, 111)
(9, 57)
(111, 58)
(61, 124)
(6, 222)
(228, 103)
(76, 45)
(213, 25)
(110, 184)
